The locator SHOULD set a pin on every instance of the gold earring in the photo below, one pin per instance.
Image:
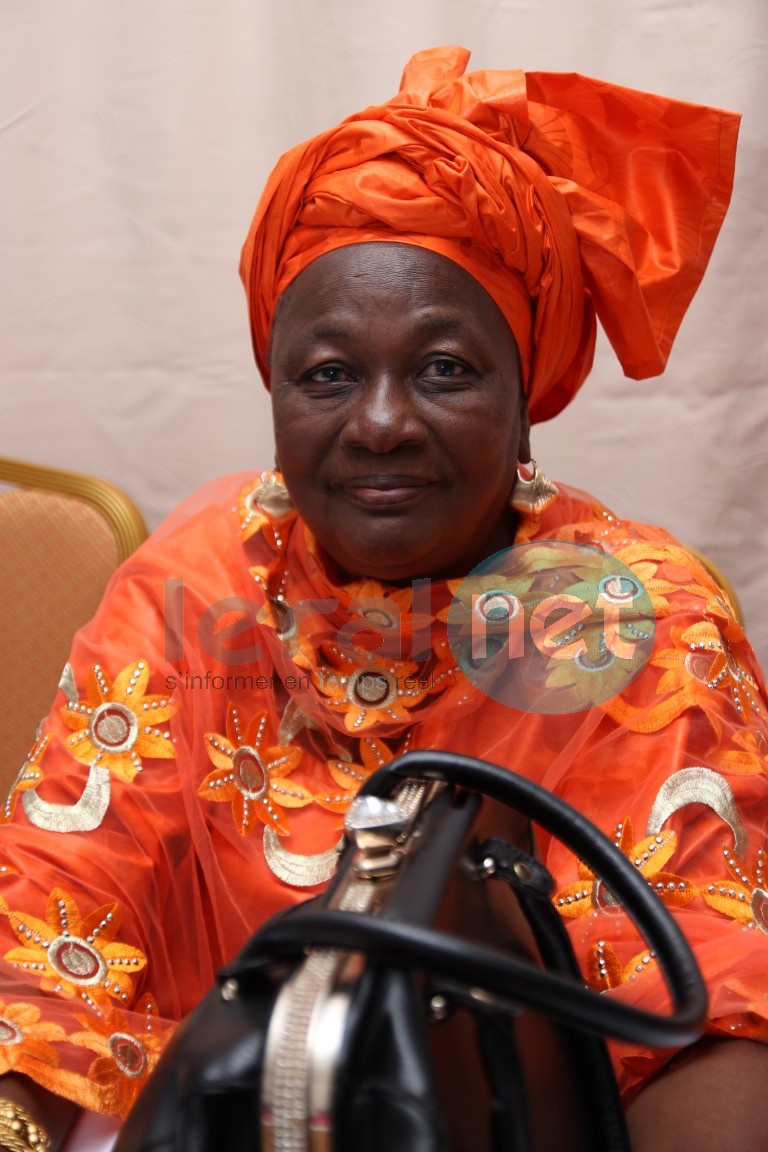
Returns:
(532, 495)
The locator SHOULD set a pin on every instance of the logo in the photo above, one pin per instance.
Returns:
(548, 627)
(551, 627)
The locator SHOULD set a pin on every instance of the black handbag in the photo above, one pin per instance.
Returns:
(430, 1000)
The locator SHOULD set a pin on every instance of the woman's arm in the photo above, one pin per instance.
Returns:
(52, 1113)
(712, 1097)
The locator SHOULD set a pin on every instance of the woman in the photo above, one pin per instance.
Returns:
(422, 285)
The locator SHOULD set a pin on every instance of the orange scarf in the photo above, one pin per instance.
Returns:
(565, 197)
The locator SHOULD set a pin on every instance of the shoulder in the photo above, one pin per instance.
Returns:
(197, 549)
(202, 533)
(581, 518)
(701, 658)
(579, 515)
(684, 585)
(220, 498)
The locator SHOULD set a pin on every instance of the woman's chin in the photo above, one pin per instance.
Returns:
(389, 564)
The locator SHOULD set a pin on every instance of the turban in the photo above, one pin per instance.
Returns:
(566, 197)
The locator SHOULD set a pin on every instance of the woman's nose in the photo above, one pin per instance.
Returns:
(383, 416)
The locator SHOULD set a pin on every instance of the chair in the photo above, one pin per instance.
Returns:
(62, 535)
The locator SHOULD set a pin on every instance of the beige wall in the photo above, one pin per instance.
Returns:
(134, 139)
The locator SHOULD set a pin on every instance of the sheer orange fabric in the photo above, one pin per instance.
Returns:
(564, 196)
(203, 749)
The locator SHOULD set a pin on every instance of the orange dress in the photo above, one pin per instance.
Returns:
(192, 777)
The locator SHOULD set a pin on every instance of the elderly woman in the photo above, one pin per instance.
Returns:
(422, 285)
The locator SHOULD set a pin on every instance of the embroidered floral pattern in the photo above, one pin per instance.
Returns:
(649, 857)
(666, 570)
(349, 776)
(370, 691)
(744, 895)
(250, 773)
(485, 600)
(26, 1040)
(698, 664)
(76, 955)
(605, 970)
(117, 724)
(482, 617)
(647, 573)
(29, 776)
(125, 1054)
(749, 758)
(386, 623)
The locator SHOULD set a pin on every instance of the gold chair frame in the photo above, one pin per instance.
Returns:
(123, 530)
(117, 509)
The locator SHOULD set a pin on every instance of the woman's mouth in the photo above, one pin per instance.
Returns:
(385, 491)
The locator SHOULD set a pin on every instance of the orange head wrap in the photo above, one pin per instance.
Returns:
(564, 197)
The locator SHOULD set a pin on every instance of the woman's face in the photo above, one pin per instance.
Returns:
(398, 412)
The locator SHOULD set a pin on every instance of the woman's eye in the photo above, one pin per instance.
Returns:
(329, 374)
(444, 366)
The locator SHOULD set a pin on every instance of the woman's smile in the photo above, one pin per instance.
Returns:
(386, 491)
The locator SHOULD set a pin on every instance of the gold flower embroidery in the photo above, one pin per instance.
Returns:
(605, 970)
(370, 691)
(649, 857)
(25, 1040)
(679, 571)
(76, 955)
(708, 665)
(698, 663)
(486, 615)
(658, 589)
(250, 773)
(30, 775)
(385, 623)
(349, 776)
(751, 756)
(125, 1054)
(117, 724)
(743, 896)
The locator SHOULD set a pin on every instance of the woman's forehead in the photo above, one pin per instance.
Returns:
(352, 284)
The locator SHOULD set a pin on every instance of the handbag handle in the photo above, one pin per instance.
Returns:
(511, 980)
